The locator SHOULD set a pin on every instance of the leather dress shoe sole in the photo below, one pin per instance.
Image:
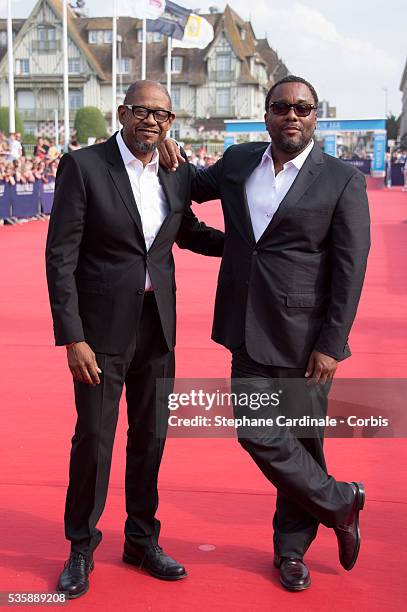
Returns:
(360, 502)
(59, 589)
(138, 563)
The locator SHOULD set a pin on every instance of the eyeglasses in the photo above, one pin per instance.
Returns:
(140, 112)
(300, 109)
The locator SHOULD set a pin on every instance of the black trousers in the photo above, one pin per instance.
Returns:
(306, 494)
(92, 444)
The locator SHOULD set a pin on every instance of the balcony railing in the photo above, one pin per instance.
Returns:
(222, 111)
(222, 75)
(46, 46)
(42, 114)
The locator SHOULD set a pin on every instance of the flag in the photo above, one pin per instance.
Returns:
(198, 33)
(172, 22)
(143, 9)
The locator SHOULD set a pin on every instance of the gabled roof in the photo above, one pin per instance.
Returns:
(194, 66)
(57, 6)
(21, 26)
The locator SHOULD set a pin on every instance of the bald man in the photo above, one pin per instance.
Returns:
(110, 271)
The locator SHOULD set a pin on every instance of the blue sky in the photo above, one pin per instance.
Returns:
(349, 49)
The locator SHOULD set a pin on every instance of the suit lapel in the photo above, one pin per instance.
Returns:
(304, 179)
(121, 180)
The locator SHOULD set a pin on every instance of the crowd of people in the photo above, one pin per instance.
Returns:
(17, 167)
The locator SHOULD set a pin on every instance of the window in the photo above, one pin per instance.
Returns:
(223, 62)
(176, 97)
(25, 99)
(223, 101)
(75, 99)
(3, 39)
(152, 37)
(93, 37)
(74, 65)
(124, 67)
(23, 66)
(176, 64)
(107, 36)
(46, 33)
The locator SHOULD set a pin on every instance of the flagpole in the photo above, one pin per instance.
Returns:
(169, 50)
(11, 111)
(144, 52)
(114, 66)
(65, 71)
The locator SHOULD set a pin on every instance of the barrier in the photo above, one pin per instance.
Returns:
(47, 191)
(397, 173)
(364, 165)
(5, 200)
(25, 200)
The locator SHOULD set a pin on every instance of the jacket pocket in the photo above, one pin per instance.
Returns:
(305, 300)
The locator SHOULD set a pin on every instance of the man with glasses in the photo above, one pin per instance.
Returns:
(110, 271)
(296, 245)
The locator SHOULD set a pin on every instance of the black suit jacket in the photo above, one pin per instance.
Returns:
(298, 287)
(96, 255)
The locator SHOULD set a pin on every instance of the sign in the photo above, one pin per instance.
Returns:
(25, 199)
(330, 145)
(47, 191)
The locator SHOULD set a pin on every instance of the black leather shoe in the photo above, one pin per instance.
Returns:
(294, 574)
(154, 561)
(74, 577)
(348, 532)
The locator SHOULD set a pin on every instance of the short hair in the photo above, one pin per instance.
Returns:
(134, 87)
(291, 79)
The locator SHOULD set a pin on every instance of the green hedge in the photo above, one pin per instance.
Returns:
(89, 122)
(4, 121)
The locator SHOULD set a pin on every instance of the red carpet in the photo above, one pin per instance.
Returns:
(211, 492)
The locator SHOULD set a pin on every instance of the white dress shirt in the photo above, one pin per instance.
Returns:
(265, 191)
(149, 195)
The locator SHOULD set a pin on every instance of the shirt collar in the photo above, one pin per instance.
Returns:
(128, 156)
(298, 161)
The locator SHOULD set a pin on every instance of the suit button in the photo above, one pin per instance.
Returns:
(255, 252)
(140, 291)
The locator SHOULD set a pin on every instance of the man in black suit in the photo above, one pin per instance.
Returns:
(296, 245)
(111, 283)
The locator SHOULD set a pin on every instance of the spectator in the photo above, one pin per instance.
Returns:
(40, 149)
(15, 149)
(74, 145)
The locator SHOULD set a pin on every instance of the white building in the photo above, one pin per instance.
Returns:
(228, 79)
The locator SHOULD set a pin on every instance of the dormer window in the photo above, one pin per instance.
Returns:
(176, 64)
(100, 37)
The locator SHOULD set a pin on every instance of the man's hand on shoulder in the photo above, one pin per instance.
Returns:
(170, 155)
(321, 367)
(82, 363)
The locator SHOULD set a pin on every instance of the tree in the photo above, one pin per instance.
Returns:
(89, 122)
(4, 121)
(392, 126)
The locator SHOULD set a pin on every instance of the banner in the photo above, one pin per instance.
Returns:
(47, 191)
(143, 9)
(330, 145)
(198, 33)
(364, 165)
(5, 200)
(25, 199)
(172, 22)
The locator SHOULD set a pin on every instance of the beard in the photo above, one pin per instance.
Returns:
(290, 145)
(144, 147)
